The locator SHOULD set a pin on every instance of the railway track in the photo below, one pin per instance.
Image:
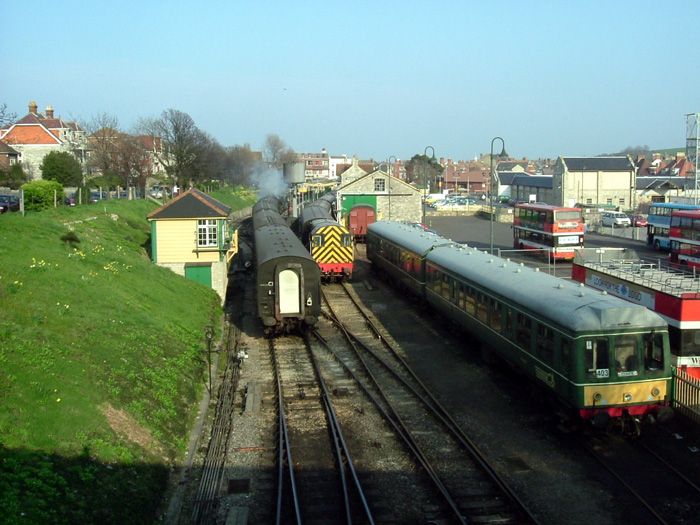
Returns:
(205, 501)
(667, 495)
(469, 489)
(317, 481)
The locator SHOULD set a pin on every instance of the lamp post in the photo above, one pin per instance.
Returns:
(425, 184)
(389, 163)
(493, 177)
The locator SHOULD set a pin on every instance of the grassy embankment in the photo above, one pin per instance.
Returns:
(100, 365)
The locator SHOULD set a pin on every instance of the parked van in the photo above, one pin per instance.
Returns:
(615, 218)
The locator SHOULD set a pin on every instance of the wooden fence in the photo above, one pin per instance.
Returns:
(686, 395)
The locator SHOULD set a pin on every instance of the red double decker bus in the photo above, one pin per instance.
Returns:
(684, 236)
(554, 229)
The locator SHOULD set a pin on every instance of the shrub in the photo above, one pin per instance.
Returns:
(62, 167)
(40, 194)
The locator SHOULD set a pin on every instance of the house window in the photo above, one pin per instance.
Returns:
(379, 184)
(622, 201)
(589, 201)
(609, 201)
(206, 232)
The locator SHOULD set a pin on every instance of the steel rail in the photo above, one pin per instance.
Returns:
(341, 447)
(441, 412)
(284, 450)
(619, 478)
(392, 416)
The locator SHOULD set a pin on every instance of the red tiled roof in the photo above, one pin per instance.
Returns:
(30, 134)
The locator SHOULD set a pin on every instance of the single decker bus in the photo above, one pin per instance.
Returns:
(659, 223)
(556, 230)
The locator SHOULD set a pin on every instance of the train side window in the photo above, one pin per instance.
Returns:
(461, 297)
(316, 240)
(626, 360)
(495, 315)
(471, 301)
(482, 308)
(598, 357)
(523, 331)
(445, 292)
(653, 351)
(545, 343)
(508, 321)
(565, 346)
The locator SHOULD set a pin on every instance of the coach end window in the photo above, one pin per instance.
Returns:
(598, 358)
(316, 241)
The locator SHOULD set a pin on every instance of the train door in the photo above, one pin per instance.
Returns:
(289, 292)
(361, 216)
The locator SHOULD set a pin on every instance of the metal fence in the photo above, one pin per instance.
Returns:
(686, 395)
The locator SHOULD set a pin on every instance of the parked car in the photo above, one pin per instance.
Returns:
(9, 203)
(639, 220)
(615, 218)
(70, 200)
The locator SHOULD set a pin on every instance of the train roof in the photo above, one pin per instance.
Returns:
(265, 217)
(568, 304)
(405, 235)
(310, 213)
(269, 202)
(277, 241)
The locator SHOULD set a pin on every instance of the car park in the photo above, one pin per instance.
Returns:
(9, 203)
(615, 218)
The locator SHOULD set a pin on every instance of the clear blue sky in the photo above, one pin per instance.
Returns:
(370, 78)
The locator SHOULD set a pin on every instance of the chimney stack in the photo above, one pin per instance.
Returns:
(49, 112)
(32, 107)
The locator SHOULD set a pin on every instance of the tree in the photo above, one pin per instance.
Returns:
(423, 170)
(13, 177)
(41, 194)
(103, 130)
(63, 168)
(182, 141)
(276, 152)
(239, 164)
(132, 162)
(6, 118)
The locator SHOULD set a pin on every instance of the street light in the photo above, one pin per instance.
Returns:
(425, 184)
(493, 176)
(389, 163)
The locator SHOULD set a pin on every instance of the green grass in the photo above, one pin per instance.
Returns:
(84, 330)
(238, 199)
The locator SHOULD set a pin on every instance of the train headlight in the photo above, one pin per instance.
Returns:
(597, 396)
(627, 397)
(655, 392)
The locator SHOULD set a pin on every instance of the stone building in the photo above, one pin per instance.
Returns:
(602, 181)
(389, 197)
(37, 134)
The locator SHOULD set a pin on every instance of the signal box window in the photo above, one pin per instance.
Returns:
(598, 358)
(379, 184)
(206, 233)
(653, 352)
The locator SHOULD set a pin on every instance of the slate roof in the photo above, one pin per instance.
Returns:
(653, 183)
(192, 204)
(598, 163)
(533, 181)
(6, 149)
(507, 177)
(508, 165)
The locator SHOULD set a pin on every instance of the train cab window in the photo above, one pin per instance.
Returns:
(653, 351)
(626, 359)
(523, 331)
(316, 241)
(346, 240)
(598, 357)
